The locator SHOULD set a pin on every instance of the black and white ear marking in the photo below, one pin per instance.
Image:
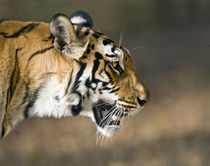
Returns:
(61, 27)
(81, 18)
(66, 40)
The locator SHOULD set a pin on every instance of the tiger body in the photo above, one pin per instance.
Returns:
(64, 69)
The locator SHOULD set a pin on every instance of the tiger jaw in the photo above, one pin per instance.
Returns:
(108, 118)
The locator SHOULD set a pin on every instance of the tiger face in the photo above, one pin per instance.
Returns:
(108, 87)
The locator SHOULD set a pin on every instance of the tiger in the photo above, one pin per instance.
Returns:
(66, 68)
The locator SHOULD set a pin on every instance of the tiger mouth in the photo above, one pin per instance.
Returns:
(107, 114)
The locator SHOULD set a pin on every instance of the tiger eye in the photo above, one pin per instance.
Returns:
(114, 64)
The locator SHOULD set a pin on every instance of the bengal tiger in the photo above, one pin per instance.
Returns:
(65, 68)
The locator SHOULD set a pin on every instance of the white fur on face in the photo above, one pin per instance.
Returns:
(107, 49)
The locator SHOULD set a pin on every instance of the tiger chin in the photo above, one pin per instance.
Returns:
(66, 68)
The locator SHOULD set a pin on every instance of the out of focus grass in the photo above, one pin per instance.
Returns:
(171, 131)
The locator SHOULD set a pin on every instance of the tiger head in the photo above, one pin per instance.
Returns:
(106, 86)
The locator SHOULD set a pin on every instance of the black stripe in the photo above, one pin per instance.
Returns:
(79, 28)
(51, 37)
(14, 78)
(2, 130)
(88, 51)
(61, 44)
(3, 33)
(113, 48)
(24, 29)
(69, 83)
(107, 88)
(15, 75)
(93, 47)
(26, 96)
(86, 32)
(40, 52)
(100, 73)
(114, 86)
(127, 106)
(88, 94)
(107, 41)
(31, 103)
(76, 109)
(115, 90)
(95, 68)
(87, 83)
(105, 83)
(88, 86)
(107, 73)
(79, 74)
(111, 56)
(13, 83)
(98, 55)
(97, 34)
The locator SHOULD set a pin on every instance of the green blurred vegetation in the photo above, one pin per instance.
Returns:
(170, 45)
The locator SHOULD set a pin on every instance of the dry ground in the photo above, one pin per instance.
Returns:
(171, 131)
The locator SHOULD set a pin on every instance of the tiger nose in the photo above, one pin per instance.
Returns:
(143, 94)
(142, 102)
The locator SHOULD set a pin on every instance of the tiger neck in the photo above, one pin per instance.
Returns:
(59, 98)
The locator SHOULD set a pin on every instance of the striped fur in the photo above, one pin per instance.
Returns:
(64, 69)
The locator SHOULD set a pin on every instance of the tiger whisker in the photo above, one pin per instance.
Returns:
(134, 49)
(101, 104)
(99, 137)
(103, 137)
(107, 114)
(121, 38)
(97, 133)
(110, 119)
(106, 117)
(107, 122)
(118, 116)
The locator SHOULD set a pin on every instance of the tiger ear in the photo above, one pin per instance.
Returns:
(66, 40)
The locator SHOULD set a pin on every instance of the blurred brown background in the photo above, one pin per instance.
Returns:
(170, 45)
